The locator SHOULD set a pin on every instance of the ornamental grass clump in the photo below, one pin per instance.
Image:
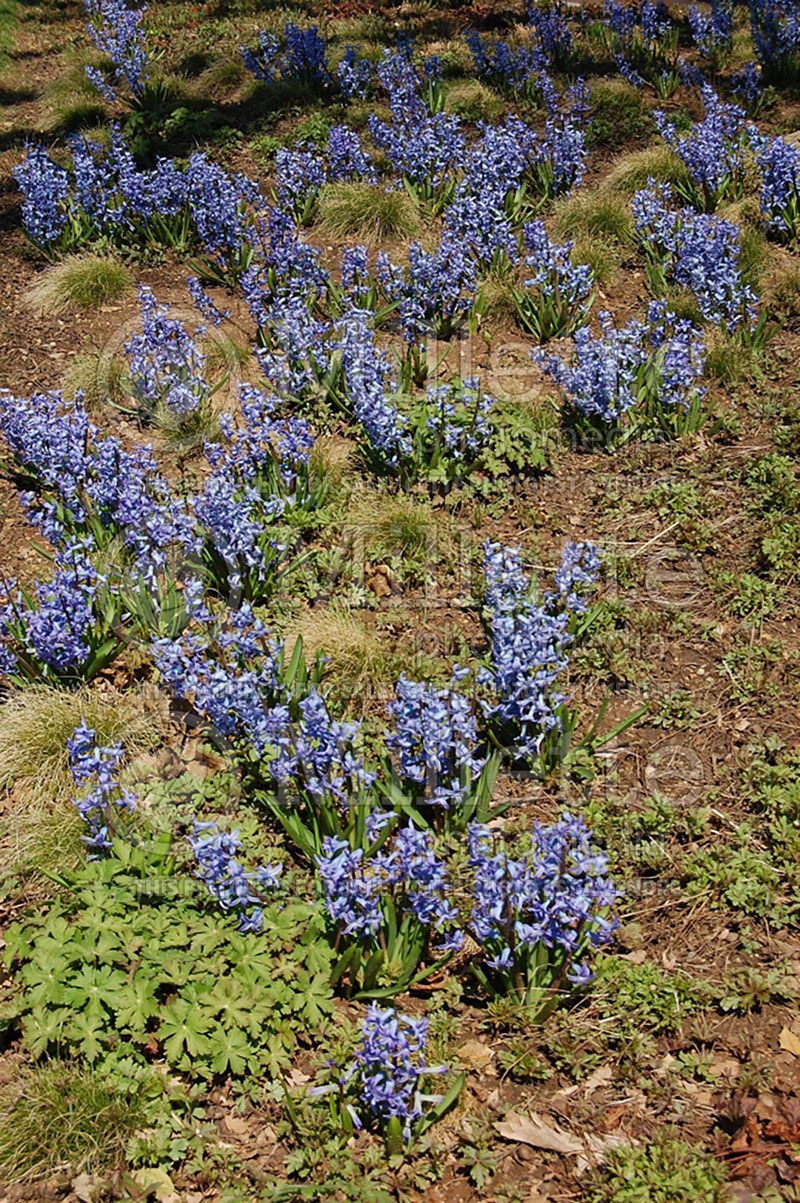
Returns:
(79, 282)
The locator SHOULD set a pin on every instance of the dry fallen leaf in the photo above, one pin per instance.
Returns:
(235, 1126)
(84, 1187)
(596, 1149)
(600, 1077)
(473, 1054)
(637, 957)
(789, 1042)
(532, 1130)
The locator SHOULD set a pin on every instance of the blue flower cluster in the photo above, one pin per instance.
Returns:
(559, 292)
(775, 29)
(435, 740)
(716, 151)
(95, 770)
(60, 631)
(388, 1068)
(354, 74)
(747, 86)
(356, 886)
(602, 382)
(303, 60)
(555, 898)
(657, 365)
(506, 67)
(117, 31)
(424, 150)
(106, 195)
(696, 251)
(301, 172)
(166, 363)
(88, 485)
(371, 387)
(529, 639)
(713, 31)
(779, 163)
(644, 41)
(552, 33)
(226, 878)
(436, 292)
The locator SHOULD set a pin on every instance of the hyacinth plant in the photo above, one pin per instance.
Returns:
(529, 633)
(644, 378)
(302, 60)
(712, 32)
(775, 30)
(716, 151)
(255, 501)
(298, 762)
(645, 44)
(64, 630)
(699, 252)
(779, 164)
(232, 887)
(383, 1084)
(558, 293)
(167, 366)
(102, 802)
(509, 69)
(118, 32)
(386, 900)
(105, 198)
(538, 917)
(437, 768)
(433, 296)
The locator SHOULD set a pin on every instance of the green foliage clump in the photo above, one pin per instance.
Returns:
(666, 1171)
(646, 996)
(130, 957)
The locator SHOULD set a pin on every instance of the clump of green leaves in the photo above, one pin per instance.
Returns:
(134, 955)
(663, 1171)
(646, 996)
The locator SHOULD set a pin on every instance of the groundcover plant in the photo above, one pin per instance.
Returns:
(399, 671)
